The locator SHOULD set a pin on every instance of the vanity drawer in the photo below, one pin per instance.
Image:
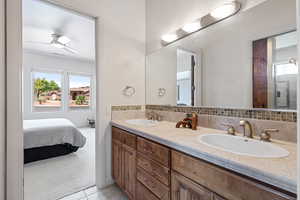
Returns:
(160, 190)
(117, 134)
(227, 184)
(154, 169)
(124, 137)
(154, 151)
(143, 193)
(129, 140)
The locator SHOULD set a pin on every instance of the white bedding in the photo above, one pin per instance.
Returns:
(48, 132)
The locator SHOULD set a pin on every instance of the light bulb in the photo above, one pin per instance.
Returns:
(169, 37)
(191, 27)
(223, 11)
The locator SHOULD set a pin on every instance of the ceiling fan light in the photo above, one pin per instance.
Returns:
(63, 39)
(223, 11)
(57, 45)
(191, 27)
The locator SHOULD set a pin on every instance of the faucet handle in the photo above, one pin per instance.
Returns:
(243, 122)
(271, 130)
(230, 130)
(265, 134)
(159, 117)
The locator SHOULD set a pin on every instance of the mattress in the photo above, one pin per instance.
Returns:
(48, 132)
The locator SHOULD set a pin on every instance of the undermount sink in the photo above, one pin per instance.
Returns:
(142, 122)
(243, 146)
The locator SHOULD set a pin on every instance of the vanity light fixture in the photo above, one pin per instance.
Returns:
(169, 37)
(220, 13)
(192, 27)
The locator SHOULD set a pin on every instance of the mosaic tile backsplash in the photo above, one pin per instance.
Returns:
(127, 107)
(287, 116)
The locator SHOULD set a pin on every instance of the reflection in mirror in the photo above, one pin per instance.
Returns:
(228, 64)
(185, 78)
(275, 72)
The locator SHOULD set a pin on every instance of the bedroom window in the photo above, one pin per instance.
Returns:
(47, 90)
(79, 91)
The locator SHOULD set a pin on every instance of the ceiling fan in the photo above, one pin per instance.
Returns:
(60, 42)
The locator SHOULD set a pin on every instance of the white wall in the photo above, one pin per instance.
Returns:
(121, 61)
(36, 61)
(162, 74)
(2, 101)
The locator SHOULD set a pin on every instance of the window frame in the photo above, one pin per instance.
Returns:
(47, 109)
(91, 103)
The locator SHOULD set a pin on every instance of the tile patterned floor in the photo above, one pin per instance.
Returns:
(109, 193)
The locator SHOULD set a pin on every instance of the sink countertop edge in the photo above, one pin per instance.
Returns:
(266, 177)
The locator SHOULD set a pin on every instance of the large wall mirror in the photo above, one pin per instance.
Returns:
(246, 61)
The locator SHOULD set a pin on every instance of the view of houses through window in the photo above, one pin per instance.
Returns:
(48, 90)
(79, 94)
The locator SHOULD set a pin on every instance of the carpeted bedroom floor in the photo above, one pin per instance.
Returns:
(54, 178)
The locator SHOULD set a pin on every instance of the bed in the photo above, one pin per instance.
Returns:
(48, 138)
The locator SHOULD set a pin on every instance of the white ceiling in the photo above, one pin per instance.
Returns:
(41, 19)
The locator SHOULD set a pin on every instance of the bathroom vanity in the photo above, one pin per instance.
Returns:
(152, 163)
(239, 73)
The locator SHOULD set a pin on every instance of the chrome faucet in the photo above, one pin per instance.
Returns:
(246, 124)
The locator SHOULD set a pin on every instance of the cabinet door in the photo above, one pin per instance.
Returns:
(129, 171)
(117, 162)
(185, 189)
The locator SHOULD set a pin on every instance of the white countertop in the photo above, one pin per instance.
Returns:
(279, 172)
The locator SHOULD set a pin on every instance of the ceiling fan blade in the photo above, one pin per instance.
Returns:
(32, 42)
(71, 50)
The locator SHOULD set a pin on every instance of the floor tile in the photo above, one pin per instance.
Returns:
(54, 178)
(77, 196)
(109, 193)
(91, 190)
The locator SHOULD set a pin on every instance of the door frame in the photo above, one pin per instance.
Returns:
(14, 119)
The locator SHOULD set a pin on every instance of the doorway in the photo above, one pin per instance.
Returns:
(186, 83)
(58, 100)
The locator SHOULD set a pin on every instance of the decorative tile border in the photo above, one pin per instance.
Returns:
(126, 107)
(288, 116)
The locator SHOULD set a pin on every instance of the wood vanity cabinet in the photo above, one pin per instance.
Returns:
(153, 170)
(146, 170)
(185, 189)
(124, 161)
(220, 181)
